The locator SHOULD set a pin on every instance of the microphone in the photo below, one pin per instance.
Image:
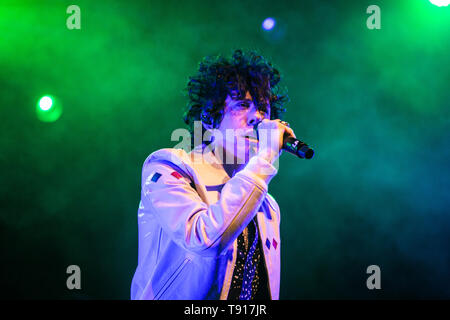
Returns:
(297, 147)
(293, 145)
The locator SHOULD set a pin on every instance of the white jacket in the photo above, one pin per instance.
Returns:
(190, 215)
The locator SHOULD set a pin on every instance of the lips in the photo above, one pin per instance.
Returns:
(251, 138)
(250, 135)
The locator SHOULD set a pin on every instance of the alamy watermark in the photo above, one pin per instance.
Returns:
(236, 146)
(74, 20)
(374, 280)
(74, 280)
(374, 20)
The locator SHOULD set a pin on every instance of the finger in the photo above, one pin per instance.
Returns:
(264, 122)
(284, 123)
(290, 132)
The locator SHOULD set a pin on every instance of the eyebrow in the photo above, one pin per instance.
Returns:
(249, 101)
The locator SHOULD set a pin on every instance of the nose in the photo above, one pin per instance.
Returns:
(255, 116)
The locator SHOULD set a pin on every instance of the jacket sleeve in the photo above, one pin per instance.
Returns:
(192, 223)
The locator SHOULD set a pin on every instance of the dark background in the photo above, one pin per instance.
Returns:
(373, 103)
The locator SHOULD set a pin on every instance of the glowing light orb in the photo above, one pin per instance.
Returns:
(440, 3)
(45, 103)
(48, 108)
(268, 24)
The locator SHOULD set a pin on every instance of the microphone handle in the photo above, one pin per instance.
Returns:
(298, 148)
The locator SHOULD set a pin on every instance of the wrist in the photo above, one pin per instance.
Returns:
(259, 170)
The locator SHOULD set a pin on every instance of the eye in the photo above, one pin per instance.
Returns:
(243, 104)
(264, 109)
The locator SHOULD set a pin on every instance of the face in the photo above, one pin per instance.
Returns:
(236, 134)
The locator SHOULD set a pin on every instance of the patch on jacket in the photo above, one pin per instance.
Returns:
(176, 175)
(274, 244)
(156, 176)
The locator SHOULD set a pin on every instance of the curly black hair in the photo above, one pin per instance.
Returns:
(218, 77)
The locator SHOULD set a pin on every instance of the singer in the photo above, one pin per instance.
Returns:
(209, 229)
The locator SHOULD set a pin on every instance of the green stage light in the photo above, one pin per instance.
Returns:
(440, 3)
(48, 109)
(45, 103)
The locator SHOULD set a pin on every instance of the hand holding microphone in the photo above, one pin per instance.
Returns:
(280, 137)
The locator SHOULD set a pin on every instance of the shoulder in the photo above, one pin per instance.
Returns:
(175, 156)
(191, 162)
(169, 160)
(167, 165)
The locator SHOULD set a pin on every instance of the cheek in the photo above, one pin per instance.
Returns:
(231, 121)
(238, 120)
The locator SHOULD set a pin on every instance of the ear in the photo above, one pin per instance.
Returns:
(209, 134)
(207, 126)
(206, 120)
